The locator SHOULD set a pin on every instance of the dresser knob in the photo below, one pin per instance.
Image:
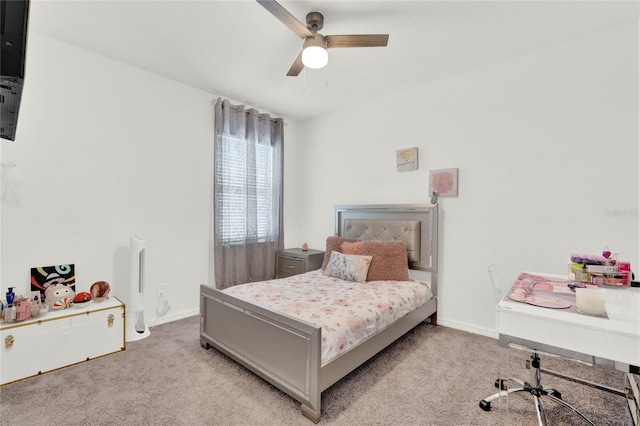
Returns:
(110, 319)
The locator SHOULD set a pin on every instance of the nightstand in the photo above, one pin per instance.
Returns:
(294, 261)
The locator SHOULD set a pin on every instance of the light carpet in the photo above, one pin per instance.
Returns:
(434, 375)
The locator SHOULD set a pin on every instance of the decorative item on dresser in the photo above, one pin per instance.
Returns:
(296, 261)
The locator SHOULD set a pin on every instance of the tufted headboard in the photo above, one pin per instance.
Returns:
(416, 225)
(406, 231)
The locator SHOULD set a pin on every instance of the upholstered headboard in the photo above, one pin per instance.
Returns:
(416, 225)
(407, 231)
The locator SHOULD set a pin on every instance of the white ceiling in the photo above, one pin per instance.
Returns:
(236, 49)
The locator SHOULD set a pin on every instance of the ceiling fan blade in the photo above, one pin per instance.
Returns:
(357, 40)
(286, 18)
(297, 66)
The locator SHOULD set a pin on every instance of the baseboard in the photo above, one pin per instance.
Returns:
(471, 328)
(174, 317)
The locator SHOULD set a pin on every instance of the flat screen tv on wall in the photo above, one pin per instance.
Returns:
(14, 15)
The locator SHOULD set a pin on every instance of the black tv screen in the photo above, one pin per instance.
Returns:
(14, 16)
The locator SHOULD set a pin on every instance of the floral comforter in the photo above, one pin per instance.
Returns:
(348, 312)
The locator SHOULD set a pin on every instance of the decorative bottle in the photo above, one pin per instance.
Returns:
(10, 296)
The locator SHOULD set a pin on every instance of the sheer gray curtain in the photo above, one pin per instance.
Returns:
(247, 210)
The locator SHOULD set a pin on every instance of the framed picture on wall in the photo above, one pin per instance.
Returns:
(444, 182)
(407, 159)
(44, 276)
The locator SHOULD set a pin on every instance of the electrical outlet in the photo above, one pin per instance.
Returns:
(161, 290)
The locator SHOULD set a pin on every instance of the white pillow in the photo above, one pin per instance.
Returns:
(348, 267)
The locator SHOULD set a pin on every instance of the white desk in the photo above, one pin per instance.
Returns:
(611, 342)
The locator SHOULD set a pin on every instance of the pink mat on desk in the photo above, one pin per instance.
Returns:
(545, 292)
(538, 300)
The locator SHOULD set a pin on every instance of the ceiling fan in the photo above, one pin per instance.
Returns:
(314, 50)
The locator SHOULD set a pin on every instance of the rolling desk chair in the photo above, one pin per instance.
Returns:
(534, 387)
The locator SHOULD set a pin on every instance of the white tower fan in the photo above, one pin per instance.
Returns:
(136, 328)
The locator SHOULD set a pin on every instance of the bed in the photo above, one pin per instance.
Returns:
(289, 352)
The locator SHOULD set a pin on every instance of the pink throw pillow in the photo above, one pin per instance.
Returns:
(390, 260)
(334, 244)
(353, 248)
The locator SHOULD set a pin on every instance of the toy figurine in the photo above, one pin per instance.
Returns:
(82, 299)
(59, 296)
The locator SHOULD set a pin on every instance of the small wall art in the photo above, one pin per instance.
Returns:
(444, 182)
(45, 276)
(407, 159)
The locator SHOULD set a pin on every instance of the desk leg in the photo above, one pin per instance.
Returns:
(633, 397)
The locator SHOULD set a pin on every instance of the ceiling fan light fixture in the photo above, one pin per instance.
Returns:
(314, 50)
(314, 53)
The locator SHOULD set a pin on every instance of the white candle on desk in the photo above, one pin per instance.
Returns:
(590, 301)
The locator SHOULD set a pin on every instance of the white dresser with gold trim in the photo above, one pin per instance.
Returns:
(61, 338)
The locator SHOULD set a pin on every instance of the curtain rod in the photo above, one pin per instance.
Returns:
(238, 109)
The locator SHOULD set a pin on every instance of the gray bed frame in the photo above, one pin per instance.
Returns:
(286, 351)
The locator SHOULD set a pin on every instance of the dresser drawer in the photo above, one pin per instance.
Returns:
(296, 261)
(288, 266)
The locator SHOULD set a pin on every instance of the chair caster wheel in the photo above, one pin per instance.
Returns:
(486, 406)
(501, 384)
(556, 394)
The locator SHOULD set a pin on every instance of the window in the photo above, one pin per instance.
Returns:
(241, 191)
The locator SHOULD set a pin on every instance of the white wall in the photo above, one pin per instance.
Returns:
(105, 151)
(547, 149)
(546, 145)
